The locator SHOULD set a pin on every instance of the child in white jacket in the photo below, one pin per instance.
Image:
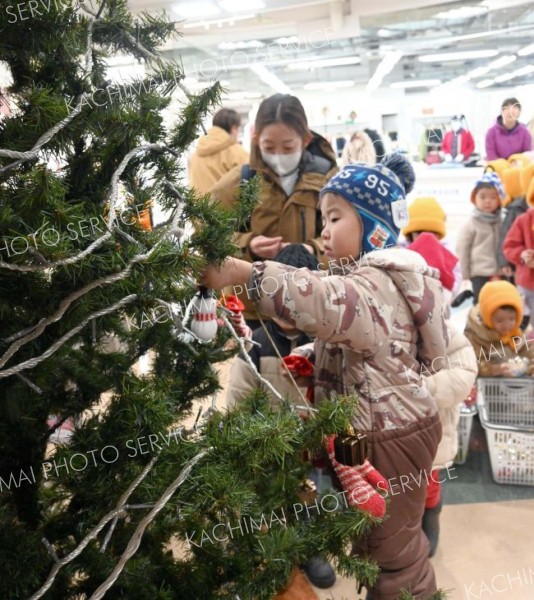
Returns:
(449, 386)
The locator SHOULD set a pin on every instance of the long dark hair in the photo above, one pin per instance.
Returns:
(282, 108)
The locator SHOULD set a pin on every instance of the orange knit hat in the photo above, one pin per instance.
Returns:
(496, 294)
(498, 166)
(530, 193)
(426, 214)
(511, 179)
(526, 178)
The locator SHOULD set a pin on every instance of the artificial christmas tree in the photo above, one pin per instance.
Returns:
(134, 506)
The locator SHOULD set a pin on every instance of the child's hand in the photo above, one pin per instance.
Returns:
(502, 370)
(527, 256)
(232, 272)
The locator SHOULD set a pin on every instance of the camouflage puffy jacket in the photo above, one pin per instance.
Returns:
(379, 326)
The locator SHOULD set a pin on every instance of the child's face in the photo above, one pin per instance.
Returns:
(503, 320)
(342, 229)
(487, 200)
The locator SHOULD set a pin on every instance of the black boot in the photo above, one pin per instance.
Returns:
(320, 573)
(431, 527)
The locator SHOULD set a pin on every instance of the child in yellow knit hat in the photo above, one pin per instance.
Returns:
(515, 205)
(492, 327)
(425, 215)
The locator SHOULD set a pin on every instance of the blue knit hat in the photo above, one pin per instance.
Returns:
(378, 194)
(489, 178)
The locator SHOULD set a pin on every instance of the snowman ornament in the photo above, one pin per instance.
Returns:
(204, 315)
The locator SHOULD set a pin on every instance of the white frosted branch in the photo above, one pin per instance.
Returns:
(48, 135)
(135, 540)
(33, 362)
(66, 302)
(115, 513)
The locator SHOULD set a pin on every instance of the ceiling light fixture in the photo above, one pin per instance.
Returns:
(240, 5)
(527, 70)
(325, 62)
(207, 24)
(243, 95)
(485, 83)
(197, 9)
(329, 85)
(503, 61)
(415, 84)
(527, 50)
(466, 55)
(465, 12)
(270, 79)
(241, 45)
(387, 64)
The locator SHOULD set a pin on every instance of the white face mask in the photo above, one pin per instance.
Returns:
(456, 125)
(282, 164)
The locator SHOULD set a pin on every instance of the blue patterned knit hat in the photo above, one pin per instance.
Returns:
(378, 194)
(489, 178)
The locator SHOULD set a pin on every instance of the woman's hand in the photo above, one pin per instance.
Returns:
(266, 247)
(232, 272)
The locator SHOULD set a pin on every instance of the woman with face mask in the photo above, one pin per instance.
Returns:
(293, 163)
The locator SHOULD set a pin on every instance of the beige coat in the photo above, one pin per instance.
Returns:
(449, 387)
(476, 248)
(296, 218)
(243, 380)
(363, 322)
(216, 154)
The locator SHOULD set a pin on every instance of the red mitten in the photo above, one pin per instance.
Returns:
(359, 482)
(234, 304)
(299, 366)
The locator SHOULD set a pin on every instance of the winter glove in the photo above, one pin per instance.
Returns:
(360, 482)
(459, 158)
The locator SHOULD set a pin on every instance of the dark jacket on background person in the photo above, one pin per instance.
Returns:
(517, 207)
(242, 379)
(297, 217)
(216, 154)
(502, 142)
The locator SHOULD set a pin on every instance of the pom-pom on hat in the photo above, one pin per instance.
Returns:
(496, 294)
(426, 214)
(489, 178)
(378, 194)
